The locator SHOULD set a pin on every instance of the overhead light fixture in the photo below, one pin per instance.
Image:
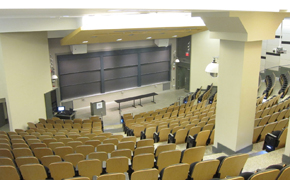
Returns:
(85, 42)
(119, 39)
(177, 60)
(212, 68)
(175, 57)
(148, 37)
(54, 77)
(174, 36)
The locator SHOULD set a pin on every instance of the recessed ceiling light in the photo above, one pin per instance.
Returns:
(119, 39)
(174, 36)
(65, 16)
(85, 41)
(148, 37)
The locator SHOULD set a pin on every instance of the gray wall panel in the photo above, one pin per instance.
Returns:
(154, 78)
(80, 78)
(120, 61)
(154, 68)
(155, 56)
(117, 84)
(80, 90)
(66, 66)
(120, 72)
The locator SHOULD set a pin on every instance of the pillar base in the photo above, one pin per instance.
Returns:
(221, 148)
(285, 159)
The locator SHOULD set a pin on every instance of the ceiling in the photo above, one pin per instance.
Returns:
(100, 36)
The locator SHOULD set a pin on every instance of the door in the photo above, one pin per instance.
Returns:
(183, 76)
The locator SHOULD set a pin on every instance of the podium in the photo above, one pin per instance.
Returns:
(98, 108)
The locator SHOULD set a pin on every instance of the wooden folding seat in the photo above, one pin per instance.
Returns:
(19, 152)
(61, 170)
(29, 131)
(164, 147)
(126, 145)
(85, 149)
(167, 158)
(37, 145)
(162, 135)
(23, 133)
(5, 146)
(176, 172)
(118, 136)
(15, 136)
(267, 129)
(90, 168)
(282, 114)
(31, 125)
(231, 165)
(284, 173)
(122, 152)
(281, 138)
(53, 145)
(58, 126)
(74, 144)
(42, 151)
(149, 131)
(73, 136)
(47, 160)
(8, 172)
(63, 150)
(26, 160)
(48, 126)
(18, 131)
(145, 142)
(257, 121)
(113, 176)
(50, 121)
(203, 169)
(145, 174)
(5, 141)
(269, 174)
(129, 138)
(273, 117)
(67, 126)
(258, 114)
(108, 148)
(99, 138)
(17, 141)
(179, 137)
(65, 140)
(41, 131)
(191, 155)
(77, 126)
(143, 150)
(257, 132)
(281, 124)
(208, 127)
(77, 121)
(6, 161)
(3, 136)
(143, 161)
(117, 165)
(111, 140)
(33, 172)
(74, 158)
(48, 140)
(287, 114)
(101, 155)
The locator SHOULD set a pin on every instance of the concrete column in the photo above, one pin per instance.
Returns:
(239, 67)
(241, 35)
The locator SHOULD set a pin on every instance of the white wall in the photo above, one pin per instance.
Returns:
(26, 65)
(56, 49)
(203, 49)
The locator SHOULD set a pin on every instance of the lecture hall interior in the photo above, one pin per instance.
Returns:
(150, 90)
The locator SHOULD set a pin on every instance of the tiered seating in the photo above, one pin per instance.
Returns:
(269, 85)
(206, 94)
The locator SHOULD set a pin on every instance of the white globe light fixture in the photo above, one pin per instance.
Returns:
(212, 68)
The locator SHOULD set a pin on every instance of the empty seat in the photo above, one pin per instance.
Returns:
(191, 155)
(143, 161)
(284, 173)
(9, 173)
(203, 169)
(168, 158)
(122, 152)
(85, 149)
(74, 144)
(63, 150)
(145, 142)
(176, 172)
(145, 149)
(90, 168)
(114, 141)
(162, 135)
(47, 160)
(6, 161)
(113, 176)
(42, 151)
(117, 165)
(231, 165)
(74, 158)
(108, 148)
(61, 170)
(146, 174)
(164, 147)
(33, 172)
(269, 174)
(199, 139)
(126, 145)
(26, 160)
(148, 133)
(18, 152)
(179, 137)
(102, 156)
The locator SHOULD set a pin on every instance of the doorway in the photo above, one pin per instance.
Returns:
(183, 76)
(4, 124)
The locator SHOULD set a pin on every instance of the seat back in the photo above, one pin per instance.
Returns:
(126, 145)
(108, 148)
(149, 132)
(267, 129)
(194, 130)
(176, 172)
(90, 168)
(19, 152)
(61, 170)
(9, 172)
(232, 165)
(202, 138)
(42, 151)
(74, 158)
(143, 150)
(85, 149)
(163, 135)
(53, 145)
(143, 161)
(282, 138)
(47, 160)
(168, 158)
(203, 169)
(122, 152)
(74, 144)
(181, 136)
(164, 147)
(270, 174)
(193, 154)
(284, 173)
(33, 172)
(257, 132)
(63, 150)
(129, 138)
(102, 156)
(117, 165)
(6, 161)
(113, 176)
(145, 142)
(114, 141)
(145, 174)
(281, 124)
(26, 160)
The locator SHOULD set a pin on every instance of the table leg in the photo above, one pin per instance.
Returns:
(140, 103)
(153, 100)
(134, 104)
